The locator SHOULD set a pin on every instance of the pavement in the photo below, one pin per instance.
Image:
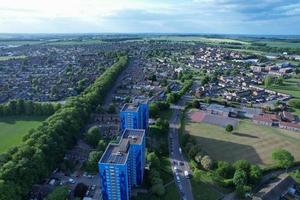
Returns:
(177, 159)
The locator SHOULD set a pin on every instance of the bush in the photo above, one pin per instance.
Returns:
(207, 162)
(198, 157)
(229, 128)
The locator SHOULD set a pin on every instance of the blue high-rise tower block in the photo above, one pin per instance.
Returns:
(134, 116)
(121, 167)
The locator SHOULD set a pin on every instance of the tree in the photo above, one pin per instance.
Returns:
(196, 104)
(44, 149)
(224, 169)
(207, 162)
(101, 145)
(152, 77)
(242, 165)
(59, 193)
(158, 189)
(194, 150)
(279, 81)
(92, 163)
(111, 109)
(283, 158)
(171, 98)
(99, 109)
(153, 160)
(153, 110)
(268, 81)
(255, 174)
(241, 190)
(93, 136)
(80, 190)
(204, 80)
(229, 128)
(240, 178)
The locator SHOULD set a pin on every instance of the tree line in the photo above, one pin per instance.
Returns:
(44, 148)
(28, 108)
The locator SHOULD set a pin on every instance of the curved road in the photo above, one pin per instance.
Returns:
(178, 162)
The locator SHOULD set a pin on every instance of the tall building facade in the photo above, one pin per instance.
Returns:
(121, 167)
(134, 116)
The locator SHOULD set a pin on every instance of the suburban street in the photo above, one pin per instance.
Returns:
(178, 162)
(133, 63)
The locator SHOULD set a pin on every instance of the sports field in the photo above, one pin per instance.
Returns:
(12, 129)
(249, 141)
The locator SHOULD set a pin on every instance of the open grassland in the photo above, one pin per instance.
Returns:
(249, 141)
(290, 86)
(3, 58)
(199, 39)
(282, 44)
(20, 42)
(75, 42)
(12, 129)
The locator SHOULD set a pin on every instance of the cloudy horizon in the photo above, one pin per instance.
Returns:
(271, 17)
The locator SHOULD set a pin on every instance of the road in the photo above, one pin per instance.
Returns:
(132, 63)
(178, 161)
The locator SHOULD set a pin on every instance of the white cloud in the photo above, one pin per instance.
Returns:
(135, 15)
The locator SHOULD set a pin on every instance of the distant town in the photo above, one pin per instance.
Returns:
(133, 116)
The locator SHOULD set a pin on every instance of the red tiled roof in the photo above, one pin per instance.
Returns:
(266, 117)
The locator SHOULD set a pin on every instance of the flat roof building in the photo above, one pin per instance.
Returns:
(134, 116)
(121, 167)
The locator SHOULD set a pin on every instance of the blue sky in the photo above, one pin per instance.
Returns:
(159, 16)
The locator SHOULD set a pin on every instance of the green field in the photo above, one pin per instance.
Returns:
(12, 129)
(290, 86)
(20, 42)
(249, 141)
(75, 42)
(2, 58)
(204, 191)
(281, 44)
(199, 39)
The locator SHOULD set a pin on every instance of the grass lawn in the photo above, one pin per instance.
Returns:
(204, 191)
(249, 141)
(296, 175)
(12, 129)
(290, 86)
